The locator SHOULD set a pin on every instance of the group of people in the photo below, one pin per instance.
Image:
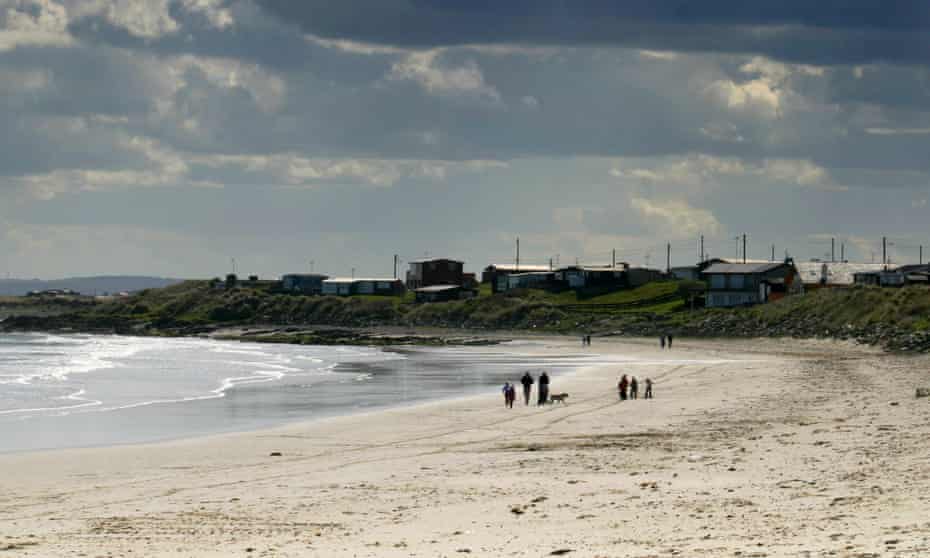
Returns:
(629, 388)
(585, 340)
(666, 339)
(542, 391)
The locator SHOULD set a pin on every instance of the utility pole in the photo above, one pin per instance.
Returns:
(233, 265)
(842, 251)
(668, 258)
(885, 252)
(921, 260)
(832, 250)
(353, 273)
(395, 266)
(613, 258)
(773, 252)
(701, 253)
(744, 247)
(550, 264)
(517, 269)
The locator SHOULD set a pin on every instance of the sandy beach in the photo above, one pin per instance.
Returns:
(768, 448)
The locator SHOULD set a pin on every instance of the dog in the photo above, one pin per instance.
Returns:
(560, 397)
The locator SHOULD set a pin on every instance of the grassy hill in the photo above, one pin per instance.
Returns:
(897, 318)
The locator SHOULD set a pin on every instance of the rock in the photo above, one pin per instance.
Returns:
(275, 454)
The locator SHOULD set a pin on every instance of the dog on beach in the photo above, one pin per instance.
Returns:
(560, 397)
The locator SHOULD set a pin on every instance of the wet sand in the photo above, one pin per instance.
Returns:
(768, 448)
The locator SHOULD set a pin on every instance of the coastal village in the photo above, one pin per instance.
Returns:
(718, 282)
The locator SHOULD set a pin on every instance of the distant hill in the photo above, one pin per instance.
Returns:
(86, 285)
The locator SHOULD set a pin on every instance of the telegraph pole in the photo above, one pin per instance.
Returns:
(832, 250)
(885, 252)
(842, 251)
(773, 252)
(518, 255)
(668, 258)
(395, 266)
(744, 247)
(701, 254)
(921, 260)
(613, 258)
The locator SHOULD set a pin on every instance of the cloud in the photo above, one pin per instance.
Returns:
(426, 69)
(676, 217)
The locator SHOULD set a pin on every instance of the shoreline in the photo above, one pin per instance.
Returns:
(419, 355)
(741, 440)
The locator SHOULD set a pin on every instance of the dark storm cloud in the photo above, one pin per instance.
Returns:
(826, 32)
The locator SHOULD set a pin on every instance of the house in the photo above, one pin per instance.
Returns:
(742, 284)
(442, 293)
(816, 274)
(307, 283)
(685, 273)
(352, 286)
(579, 277)
(894, 276)
(693, 272)
(531, 280)
(638, 276)
(494, 272)
(436, 271)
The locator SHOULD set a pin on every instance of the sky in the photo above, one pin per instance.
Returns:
(176, 137)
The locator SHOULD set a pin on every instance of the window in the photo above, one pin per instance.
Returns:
(718, 282)
(737, 281)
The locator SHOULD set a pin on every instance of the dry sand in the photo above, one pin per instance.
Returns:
(788, 449)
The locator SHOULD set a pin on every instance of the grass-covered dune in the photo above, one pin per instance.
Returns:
(897, 318)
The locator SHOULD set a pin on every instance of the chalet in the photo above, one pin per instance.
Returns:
(436, 271)
(894, 276)
(750, 283)
(494, 272)
(377, 286)
(530, 280)
(817, 274)
(306, 283)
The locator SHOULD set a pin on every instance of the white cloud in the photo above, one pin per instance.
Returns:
(758, 95)
(267, 89)
(703, 170)
(898, 131)
(676, 217)
(658, 54)
(33, 22)
(425, 68)
(530, 102)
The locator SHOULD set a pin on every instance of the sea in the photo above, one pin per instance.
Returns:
(65, 391)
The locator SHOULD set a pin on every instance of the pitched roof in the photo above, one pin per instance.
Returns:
(838, 273)
(744, 268)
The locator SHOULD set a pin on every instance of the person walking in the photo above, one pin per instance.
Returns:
(662, 341)
(509, 394)
(543, 389)
(527, 381)
(670, 341)
(648, 394)
(621, 387)
(634, 388)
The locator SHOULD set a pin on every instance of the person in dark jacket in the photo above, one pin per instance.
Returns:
(527, 381)
(634, 388)
(648, 394)
(543, 389)
(621, 387)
